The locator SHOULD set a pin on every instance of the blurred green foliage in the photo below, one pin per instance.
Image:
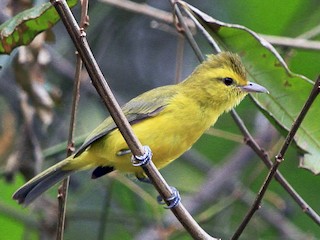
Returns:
(135, 57)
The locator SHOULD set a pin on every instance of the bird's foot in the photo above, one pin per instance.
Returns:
(139, 161)
(171, 201)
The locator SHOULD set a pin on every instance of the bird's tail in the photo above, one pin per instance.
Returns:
(41, 183)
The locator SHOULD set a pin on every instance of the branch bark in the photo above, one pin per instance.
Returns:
(279, 159)
(79, 39)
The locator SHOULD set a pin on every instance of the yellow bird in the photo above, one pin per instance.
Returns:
(169, 119)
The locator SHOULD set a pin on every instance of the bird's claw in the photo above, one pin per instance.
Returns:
(139, 161)
(171, 201)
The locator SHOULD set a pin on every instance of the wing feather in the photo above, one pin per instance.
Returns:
(146, 105)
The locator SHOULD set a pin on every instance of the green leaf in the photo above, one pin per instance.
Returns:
(25, 26)
(288, 91)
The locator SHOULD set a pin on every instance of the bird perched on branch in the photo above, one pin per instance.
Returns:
(169, 119)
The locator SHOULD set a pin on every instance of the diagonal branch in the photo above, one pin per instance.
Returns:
(142, 8)
(99, 82)
(63, 189)
(279, 158)
(300, 43)
(278, 176)
(251, 142)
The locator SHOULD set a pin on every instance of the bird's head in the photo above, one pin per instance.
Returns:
(223, 78)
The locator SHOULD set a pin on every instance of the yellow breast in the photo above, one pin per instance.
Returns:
(169, 135)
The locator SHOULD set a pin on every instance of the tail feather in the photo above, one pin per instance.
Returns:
(40, 183)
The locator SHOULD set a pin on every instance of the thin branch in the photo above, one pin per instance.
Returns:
(146, 10)
(275, 218)
(261, 153)
(238, 138)
(63, 189)
(215, 183)
(313, 95)
(217, 180)
(292, 42)
(104, 213)
(279, 158)
(210, 39)
(179, 57)
(278, 176)
(187, 32)
(99, 82)
(312, 33)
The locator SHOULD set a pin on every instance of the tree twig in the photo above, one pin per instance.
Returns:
(278, 176)
(312, 33)
(275, 218)
(258, 150)
(215, 183)
(179, 57)
(145, 10)
(105, 210)
(301, 43)
(99, 82)
(63, 189)
(279, 158)
(181, 25)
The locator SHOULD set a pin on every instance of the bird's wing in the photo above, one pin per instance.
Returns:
(146, 105)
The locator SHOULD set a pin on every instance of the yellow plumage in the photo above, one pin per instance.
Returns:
(168, 119)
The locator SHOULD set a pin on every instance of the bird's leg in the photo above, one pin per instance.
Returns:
(171, 201)
(139, 161)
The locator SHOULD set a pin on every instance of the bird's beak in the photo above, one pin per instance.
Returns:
(254, 87)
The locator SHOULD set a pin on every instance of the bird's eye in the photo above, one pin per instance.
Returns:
(228, 81)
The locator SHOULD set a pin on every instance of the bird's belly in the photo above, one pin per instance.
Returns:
(167, 138)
